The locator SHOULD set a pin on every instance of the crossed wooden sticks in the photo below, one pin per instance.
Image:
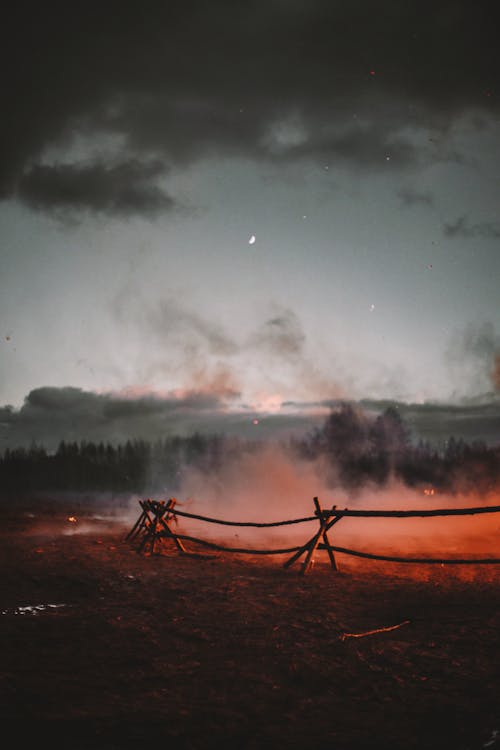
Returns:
(153, 523)
(310, 547)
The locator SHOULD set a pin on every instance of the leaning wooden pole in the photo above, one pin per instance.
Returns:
(150, 529)
(137, 527)
(313, 545)
(165, 520)
(310, 547)
(326, 542)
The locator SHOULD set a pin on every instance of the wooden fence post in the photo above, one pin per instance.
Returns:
(311, 546)
(154, 523)
(166, 518)
(326, 542)
(150, 526)
(138, 525)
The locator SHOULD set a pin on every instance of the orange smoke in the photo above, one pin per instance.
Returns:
(269, 485)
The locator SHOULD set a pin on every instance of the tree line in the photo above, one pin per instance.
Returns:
(353, 448)
(129, 467)
(357, 449)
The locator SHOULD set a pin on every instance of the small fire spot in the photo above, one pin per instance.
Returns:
(72, 519)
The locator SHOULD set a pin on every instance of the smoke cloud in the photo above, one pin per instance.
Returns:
(495, 375)
(269, 483)
(410, 197)
(197, 350)
(281, 335)
(463, 228)
(473, 357)
(175, 323)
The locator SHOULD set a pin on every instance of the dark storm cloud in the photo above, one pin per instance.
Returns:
(123, 189)
(50, 414)
(368, 146)
(410, 197)
(462, 227)
(181, 80)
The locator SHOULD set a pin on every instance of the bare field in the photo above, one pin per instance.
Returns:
(226, 651)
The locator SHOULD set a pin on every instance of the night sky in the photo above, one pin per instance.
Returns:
(218, 212)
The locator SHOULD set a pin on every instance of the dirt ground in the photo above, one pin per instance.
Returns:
(226, 651)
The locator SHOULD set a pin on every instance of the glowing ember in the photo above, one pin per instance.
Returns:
(72, 519)
(430, 491)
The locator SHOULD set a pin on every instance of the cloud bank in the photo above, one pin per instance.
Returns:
(51, 414)
(121, 190)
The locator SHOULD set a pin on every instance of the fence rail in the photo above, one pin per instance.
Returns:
(153, 527)
(410, 513)
(254, 524)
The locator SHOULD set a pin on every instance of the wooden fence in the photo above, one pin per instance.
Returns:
(153, 528)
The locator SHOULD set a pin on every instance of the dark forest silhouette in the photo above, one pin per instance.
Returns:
(355, 449)
(360, 449)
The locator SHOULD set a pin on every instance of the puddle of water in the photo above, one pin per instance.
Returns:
(32, 609)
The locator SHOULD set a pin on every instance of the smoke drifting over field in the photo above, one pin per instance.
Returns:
(355, 459)
(271, 484)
